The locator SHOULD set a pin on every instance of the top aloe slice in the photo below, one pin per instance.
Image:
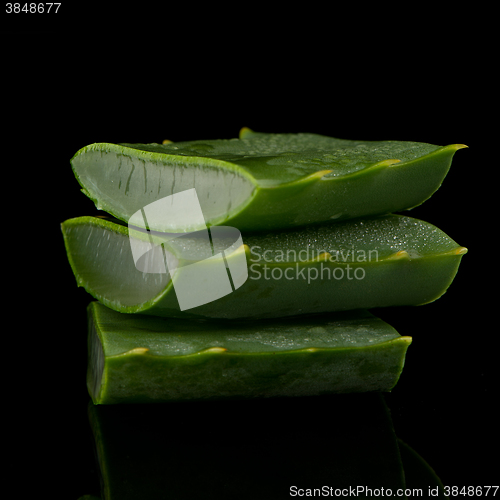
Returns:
(264, 181)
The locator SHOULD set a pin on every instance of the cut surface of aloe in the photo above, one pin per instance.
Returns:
(377, 262)
(138, 359)
(263, 181)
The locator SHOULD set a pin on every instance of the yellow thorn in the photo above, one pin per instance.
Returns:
(138, 350)
(215, 349)
(402, 254)
(317, 175)
(166, 141)
(324, 256)
(244, 131)
(461, 251)
(387, 163)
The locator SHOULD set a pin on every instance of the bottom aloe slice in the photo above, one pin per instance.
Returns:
(139, 359)
(377, 262)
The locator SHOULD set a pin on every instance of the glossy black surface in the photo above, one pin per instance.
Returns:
(444, 405)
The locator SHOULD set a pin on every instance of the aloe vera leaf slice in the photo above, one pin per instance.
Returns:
(137, 359)
(264, 181)
(378, 262)
(245, 450)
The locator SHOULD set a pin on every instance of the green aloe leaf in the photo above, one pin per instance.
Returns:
(264, 181)
(382, 261)
(138, 359)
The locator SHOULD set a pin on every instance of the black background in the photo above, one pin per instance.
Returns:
(73, 86)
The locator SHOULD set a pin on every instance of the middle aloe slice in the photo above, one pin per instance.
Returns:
(382, 261)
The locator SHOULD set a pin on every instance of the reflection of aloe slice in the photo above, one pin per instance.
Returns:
(136, 359)
(246, 449)
(264, 181)
(382, 261)
(419, 474)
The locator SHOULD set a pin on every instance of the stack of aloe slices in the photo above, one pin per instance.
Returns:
(245, 267)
